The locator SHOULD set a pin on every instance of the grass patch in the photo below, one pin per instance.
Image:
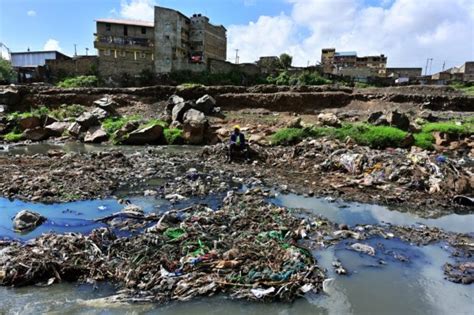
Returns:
(466, 88)
(154, 122)
(424, 140)
(289, 136)
(112, 124)
(80, 81)
(186, 86)
(67, 111)
(173, 136)
(449, 127)
(37, 112)
(13, 136)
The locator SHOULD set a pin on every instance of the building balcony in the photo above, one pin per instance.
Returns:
(114, 41)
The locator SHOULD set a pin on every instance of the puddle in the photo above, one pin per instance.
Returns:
(352, 213)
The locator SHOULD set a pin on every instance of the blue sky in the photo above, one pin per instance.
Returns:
(407, 31)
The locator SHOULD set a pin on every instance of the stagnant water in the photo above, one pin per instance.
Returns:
(412, 287)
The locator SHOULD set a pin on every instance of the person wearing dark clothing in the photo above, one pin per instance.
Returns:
(237, 144)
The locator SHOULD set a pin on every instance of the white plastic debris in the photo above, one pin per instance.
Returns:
(363, 248)
(259, 293)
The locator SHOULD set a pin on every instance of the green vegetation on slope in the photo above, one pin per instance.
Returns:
(80, 81)
(173, 136)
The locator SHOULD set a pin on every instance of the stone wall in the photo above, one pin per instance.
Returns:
(81, 65)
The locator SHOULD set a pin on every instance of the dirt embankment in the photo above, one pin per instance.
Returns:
(276, 98)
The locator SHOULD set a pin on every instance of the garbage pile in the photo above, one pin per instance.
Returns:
(248, 249)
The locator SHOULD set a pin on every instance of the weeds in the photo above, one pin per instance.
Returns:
(13, 136)
(173, 136)
(80, 81)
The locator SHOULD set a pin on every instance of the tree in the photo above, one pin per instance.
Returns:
(286, 60)
(7, 75)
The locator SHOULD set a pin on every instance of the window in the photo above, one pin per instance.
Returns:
(143, 30)
(107, 52)
(123, 53)
(125, 30)
(108, 27)
(143, 55)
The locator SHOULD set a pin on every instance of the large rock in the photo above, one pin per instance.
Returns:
(100, 113)
(105, 103)
(87, 120)
(9, 97)
(173, 100)
(179, 110)
(29, 122)
(27, 220)
(57, 129)
(374, 116)
(75, 129)
(205, 104)
(295, 123)
(3, 108)
(329, 119)
(36, 134)
(194, 127)
(145, 135)
(398, 120)
(95, 135)
(126, 129)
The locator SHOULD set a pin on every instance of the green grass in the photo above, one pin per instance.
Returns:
(289, 136)
(13, 136)
(466, 88)
(112, 124)
(154, 122)
(80, 81)
(37, 112)
(173, 136)
(450, 127)
(67, 111)
(186, 86)
(424, 140)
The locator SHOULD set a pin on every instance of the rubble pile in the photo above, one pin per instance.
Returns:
(247, 249)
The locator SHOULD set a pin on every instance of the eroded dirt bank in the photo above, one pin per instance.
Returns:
(275, 98)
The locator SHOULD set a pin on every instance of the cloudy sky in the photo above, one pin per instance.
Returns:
(407, 31)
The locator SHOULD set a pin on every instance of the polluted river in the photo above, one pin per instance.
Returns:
(403, 275)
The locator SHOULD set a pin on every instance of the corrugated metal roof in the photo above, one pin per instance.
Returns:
(346, 53)
(127, 22)
(32, 58)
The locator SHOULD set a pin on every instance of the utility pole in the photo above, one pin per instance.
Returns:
(87, 51)
(426, 66)
(236, 56)
(444, 64)
(431, 64)
(75, 50)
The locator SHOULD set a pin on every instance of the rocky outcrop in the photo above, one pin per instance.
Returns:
(329, 119)
(57, 129)
(398, 120)
(27, 220)
(179, 110)
(194, 127)
(87, 120)
(205, 104)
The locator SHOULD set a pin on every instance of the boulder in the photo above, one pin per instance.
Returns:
(126, 129)
(179, 110)
(105, 103)
(9, 97)
(329, 119)
(27, 220)
(100, 113)
(145, 135)
(398, 120)
(3, 108)
(295, 123)
(95, 135)
(36, 134)
(57, 129)
(373, 117)
(176, 125)
(205, 104)
(194, 127)
(75, 129)
(87, 120)
(173, 100)
(29, 122)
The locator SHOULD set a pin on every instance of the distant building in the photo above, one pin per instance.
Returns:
(172, 42)
(410, 73)
(30, 64)
(334, 62)
(468, 70)
(464, 73)
(124, 46)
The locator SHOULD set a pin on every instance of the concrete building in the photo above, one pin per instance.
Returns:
(410, 73)
(30, 64)
(185, 43)
(124, 46)
(333, 62)
(464, 73)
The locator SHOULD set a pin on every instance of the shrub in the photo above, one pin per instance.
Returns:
(37, 112)
(305, 78)
(13, 136)
(80, 81)
(173, 136)
(7, 74)
(289, 136)
(286, 60)
(154, 122)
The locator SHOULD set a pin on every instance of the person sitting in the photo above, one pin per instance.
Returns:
(237, 143)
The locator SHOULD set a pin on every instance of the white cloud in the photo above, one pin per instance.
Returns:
(138, 9)
(31, 13)
(52, 44)
(406, 31)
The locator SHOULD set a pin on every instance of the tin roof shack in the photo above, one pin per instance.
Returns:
(30, 65)
(125, 48)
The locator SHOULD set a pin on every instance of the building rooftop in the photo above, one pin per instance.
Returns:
(127, 22)
(346, 53)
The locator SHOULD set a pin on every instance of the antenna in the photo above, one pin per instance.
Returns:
(236, 56)
(75, 50)
(426, 66)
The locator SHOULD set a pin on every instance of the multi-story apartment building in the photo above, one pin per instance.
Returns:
(334, 62)
(124, 46)
(173, 42)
